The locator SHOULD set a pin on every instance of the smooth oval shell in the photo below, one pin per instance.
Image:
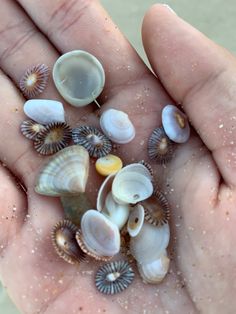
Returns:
(100, 235)
(44, 111)
(136, 220)
(79, 77)
(117, 126)
(104, 190)
(65, 173)
(175, 124)
(150, 242)
(108, 164)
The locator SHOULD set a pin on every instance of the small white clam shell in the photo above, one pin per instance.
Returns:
(155, 271)
(104, 190)
(117, 213)
(137, 168)
(175, 124)
(100, 235)
(44, 111)
(65, 173)
(150, 242)
(136, 220)
(117, 126)
(79, 77)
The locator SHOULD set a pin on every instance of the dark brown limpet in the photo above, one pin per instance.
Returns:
(64, 242)
(53, 138)
(160, 147)
(30, 129)
(34, 80)
(148, 166)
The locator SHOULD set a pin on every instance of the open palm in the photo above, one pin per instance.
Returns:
(199, 182)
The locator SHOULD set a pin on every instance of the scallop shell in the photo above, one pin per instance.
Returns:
(150, 242)
(96, 143)
(65, 173)
(136, 220)
(64, 242)
(99, 234)
(44, 111)
(175, 124)
(117, 126)
(79, 77)
(108, 164)
(114, 277)
(155, 271)
(30, 129)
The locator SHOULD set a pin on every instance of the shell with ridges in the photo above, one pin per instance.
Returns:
(136, 220)
(30, 129)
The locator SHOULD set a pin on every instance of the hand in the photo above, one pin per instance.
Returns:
(199, 182)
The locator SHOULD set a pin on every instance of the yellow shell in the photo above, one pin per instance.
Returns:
(108, 164)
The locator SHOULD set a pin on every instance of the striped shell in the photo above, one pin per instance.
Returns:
(30, 129)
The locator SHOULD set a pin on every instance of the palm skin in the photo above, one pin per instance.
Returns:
(199, 182)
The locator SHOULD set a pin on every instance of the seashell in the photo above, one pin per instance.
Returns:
(64, 242)
(54, 137)
(132, 184)
(65, 173)
(150, 242)
(44, 111)
(96, 143)
(148, 166)
(99, 234)
(114, 277)
(117, 213)
(160, 147)
(155, 271)
(136, 220)
(108, 164)
(30, 129)
(117, 126)
(75, 206)
(175, 124)
(79, 77)
(34, 80)
(157, 209)
(104, 190)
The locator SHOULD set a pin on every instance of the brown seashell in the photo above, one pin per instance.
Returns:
(30, 129)
(148, 166)
(64, 242)
(54, 137)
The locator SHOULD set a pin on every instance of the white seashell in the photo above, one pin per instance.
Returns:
(150, 242)
(155, 271)
(104, 190)
(100, 235)
(131, 187)
(137, 168)
(65, 173)
(117, 126)
(136, 220)
(79, 77)
(117, 213)
(175, 124)
(44, 111)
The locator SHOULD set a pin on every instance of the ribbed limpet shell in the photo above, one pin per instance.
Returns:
(30, 129)
(79, 77)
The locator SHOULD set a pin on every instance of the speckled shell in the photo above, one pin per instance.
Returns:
(79, 77)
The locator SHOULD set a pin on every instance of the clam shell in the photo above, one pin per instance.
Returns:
(108, 164)
(150, 242)
(117, 126)
(65, 173)
(136, 220)
(104, 190)
(79, 77)
(44, 111)
(100, 235)
(175, 124)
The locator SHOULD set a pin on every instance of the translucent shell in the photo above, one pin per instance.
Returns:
(117, 126)
(136, 220)
(160, 147)
(34, 80)
(114, 277)
(65, 173)
(52, 138)
(64, 242)
(79, 77)
(108, 164)
(44, 111)
(96, 143)
(175, 124)
(30, 129)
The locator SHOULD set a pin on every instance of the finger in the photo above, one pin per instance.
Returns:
(199, 75)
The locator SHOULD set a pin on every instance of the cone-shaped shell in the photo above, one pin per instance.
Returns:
(150, 242)
(100, 235)
(79, 77)
(136, 220)
(65, 173)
